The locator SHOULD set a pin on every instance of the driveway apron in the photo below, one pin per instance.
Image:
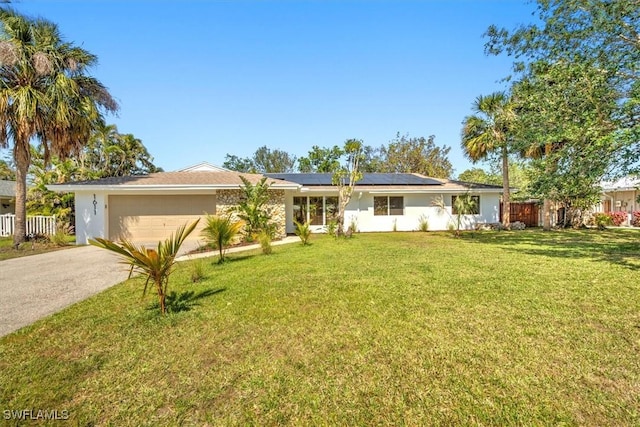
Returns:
(36, 286)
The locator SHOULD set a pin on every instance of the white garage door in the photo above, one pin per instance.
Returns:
(153, 218)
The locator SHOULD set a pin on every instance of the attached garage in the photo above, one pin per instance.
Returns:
(149, 218)
(149, 208)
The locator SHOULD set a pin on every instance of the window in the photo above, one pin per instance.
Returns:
(318, 210)
(300, 209)
(388, 205)
(475, 209)
(331, 208)
(396, 205)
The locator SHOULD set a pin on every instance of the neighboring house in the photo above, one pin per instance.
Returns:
(149, 208)
(7, 197)
(620, 196)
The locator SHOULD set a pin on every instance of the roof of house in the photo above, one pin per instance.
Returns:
(380, 182)
(163, 180)
(312, 179)
(7, 188)
(194, 179)
(623, 184)
(204, 167)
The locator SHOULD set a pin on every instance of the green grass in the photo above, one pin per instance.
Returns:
(29, 248)
(495, 328)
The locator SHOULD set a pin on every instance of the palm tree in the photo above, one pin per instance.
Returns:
(45, 96)
(157, 264)
(94, 159)
(220, 231)
(463, 204)
(488, 132)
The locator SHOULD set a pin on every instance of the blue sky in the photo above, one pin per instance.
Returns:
(196, 80)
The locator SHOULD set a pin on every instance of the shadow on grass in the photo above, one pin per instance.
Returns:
(238, 256)
(621, 247)
(185, 301)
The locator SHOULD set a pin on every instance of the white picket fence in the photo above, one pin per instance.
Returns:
(36, 225)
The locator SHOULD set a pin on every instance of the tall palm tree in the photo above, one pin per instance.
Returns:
(45, 96)
(488, 131)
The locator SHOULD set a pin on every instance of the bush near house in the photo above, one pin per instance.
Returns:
(617, 217)
(603, 219)
(635, 219)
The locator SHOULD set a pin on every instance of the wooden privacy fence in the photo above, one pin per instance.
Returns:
(36, 225)
(528, 213)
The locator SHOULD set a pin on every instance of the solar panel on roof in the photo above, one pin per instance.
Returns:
(312, 179)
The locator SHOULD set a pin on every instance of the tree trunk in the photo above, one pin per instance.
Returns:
(506, 193)
(340, 217)
(546, 212)
(546, 205)
(21, 158)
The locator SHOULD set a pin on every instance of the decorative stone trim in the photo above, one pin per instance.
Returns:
(228, 200)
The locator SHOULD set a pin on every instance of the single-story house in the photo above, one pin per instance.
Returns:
(150, 207)
(7, 197)
(620, 196)
(385, 201)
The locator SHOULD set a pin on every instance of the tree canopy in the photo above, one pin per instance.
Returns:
(576, 93)
(46, 95)
(405, 154)
(321, 160)
(264, 160)
(6, 171)
(488, 133)
(107, 154)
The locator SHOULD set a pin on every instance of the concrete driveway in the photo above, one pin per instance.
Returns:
(36, 286)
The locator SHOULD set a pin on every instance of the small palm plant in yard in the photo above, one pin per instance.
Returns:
(303, 231)
(462, 205)
(220, 232)
(253, 207)
(157, 264)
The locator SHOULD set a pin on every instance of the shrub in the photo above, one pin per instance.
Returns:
(635, 219)
(265, 242)
(197, 272)
(423, 223)
(353, 224)
(220, 232)
(61, 236)
(618, 217)
(602, 220)
(332, 228)
(303, 231)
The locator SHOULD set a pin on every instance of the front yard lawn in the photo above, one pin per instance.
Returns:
(30, 248)
(494, 328)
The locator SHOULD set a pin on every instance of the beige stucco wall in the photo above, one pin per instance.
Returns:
(227, 200)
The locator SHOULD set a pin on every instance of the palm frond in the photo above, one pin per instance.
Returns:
(156, 264)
